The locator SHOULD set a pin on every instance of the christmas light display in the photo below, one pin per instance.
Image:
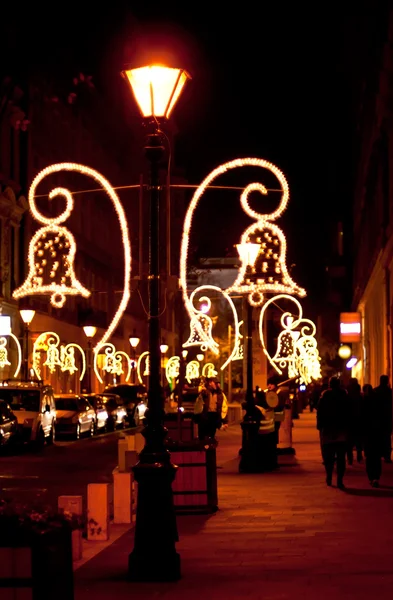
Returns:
(192, 371)
(113, 361)
(208, 370)
(238, 353)
(297, 349)
(143, 358)
(52, 248)
(62, 356)
(4, 362)
(172, 368)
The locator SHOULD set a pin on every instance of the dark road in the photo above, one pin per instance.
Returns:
(65, 468)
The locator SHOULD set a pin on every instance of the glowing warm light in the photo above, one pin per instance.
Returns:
(352, 362)
(349, 327)
(113, 361)
(192, 371)
(52, 249)
(200, 357)
(344, 351)
(145, 356)
(134, 341)
(272, 254)
(89, 331)
(208, 370)
(27, 315)
(172, 368)
(297, 349)
(62, 356)
(248, 253)
(205, 308)
(238, 351)
(164, 348)
(156, 88)
(5, 325)
(184, 353)
(4, 362)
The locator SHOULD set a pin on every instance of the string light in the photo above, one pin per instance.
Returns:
(192, 371)
(238, 353)
(209, 370)
(57, 355)
(113, 361)
(52, 249)
(296, 349)
(4, 362)
(144, 356)
(172, 368)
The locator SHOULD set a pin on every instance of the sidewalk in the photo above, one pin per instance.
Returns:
(277, 536)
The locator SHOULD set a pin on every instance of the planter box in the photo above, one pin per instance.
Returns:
(195, 484)
(181, 428)
(36, 566)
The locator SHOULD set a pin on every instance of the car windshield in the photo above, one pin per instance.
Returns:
(22, 399)
(66, 404)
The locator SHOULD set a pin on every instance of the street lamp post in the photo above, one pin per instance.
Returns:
(248, 253)
(134, 341)
(27, 315)
(154, 557)
(90, 332)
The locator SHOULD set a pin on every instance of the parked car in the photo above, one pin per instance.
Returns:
(34, 407)
(134, 397)
(8, 424)
(116, 410)
(74, 416)
(101, 422)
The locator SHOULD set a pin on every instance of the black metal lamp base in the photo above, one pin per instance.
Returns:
(154, 557)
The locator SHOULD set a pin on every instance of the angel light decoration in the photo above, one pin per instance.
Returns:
(112, 361)
(57, 355)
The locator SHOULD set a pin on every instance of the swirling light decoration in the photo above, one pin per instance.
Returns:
(4, 362)
(192, 370)
(144, 356)
(56, 356)
(208, 370)
(172, 368)
(112, 361)
(296, 349)
(48, 240)
(238, 353)
(198, 331)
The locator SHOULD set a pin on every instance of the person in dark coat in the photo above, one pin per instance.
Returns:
(355, 426)
(373, 427)
(333, 418)
(383, 403)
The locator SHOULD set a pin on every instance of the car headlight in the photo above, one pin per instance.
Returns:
(28, 423)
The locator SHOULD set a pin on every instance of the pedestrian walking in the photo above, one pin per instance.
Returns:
(383, 403)
(333, 415)
(373, 427)
(355, 424)
(210, 409)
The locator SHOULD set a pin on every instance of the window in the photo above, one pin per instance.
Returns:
(28, 400)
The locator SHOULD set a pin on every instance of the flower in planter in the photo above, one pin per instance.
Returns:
(36, 519)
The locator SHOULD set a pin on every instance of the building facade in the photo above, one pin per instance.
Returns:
(373, 214)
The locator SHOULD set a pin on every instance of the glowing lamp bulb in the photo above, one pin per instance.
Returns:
(200, 357)
(134, 341)
(27, 316)
(164, 348)
(90, 331)
(205, 308)
(248, 253)
(156, 88)
(344, 351)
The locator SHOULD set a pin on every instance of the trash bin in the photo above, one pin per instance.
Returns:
(195, 485)
(267, 446)
(181, 427)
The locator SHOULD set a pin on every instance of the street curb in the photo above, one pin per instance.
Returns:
(90, 549)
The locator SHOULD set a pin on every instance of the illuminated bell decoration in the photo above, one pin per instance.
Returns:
(172, 368)
(4, 362)
(52, 355)
(192, 371)
(52, 249)
(238, 353)
(143, 361)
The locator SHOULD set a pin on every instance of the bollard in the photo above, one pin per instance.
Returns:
(134, 442)
(98, 499)
(123, 500)
(74, 505)
(285, 433)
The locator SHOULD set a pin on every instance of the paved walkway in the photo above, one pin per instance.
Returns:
(277, 536)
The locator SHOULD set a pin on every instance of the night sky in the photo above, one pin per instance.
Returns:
(276, 83)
